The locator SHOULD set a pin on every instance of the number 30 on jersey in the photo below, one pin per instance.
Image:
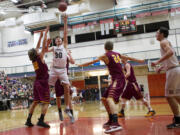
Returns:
(58, 55)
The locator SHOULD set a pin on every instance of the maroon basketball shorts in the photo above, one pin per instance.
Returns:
(132, 90)
(59, 89)
(41, 91)
(115, 89)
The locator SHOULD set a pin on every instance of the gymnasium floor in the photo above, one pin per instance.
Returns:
(90, 117)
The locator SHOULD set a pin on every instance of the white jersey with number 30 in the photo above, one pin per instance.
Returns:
(60, 56)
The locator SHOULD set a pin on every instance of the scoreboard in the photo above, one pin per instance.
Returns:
(125, 26)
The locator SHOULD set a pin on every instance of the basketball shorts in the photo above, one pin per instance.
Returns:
(59, 89)
(60, 74)
(41, 91)
(172, 86)
(132, 90)
(115, 89)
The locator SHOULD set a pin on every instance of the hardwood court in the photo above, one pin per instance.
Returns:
(90, 117)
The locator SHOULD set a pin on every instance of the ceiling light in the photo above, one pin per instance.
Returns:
(2, 12)
(15, 1)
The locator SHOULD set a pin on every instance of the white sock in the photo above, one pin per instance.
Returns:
(149, 106)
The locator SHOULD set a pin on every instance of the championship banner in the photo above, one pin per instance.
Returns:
(78, 27)
(141, 15)
(178, 10)
(173, 9)
(107, 28)
(106, 25)
(164, 12)
(106, 21)
(102, 28)
(91, 24)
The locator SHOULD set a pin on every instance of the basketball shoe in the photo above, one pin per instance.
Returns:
(150, 113)
(121, 114)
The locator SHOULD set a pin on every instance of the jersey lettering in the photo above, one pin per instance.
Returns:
(116, 58)
(58, 55)
(36, 66)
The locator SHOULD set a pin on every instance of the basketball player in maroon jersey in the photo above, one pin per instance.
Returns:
(41, 87)
(132, 90)
(111, 96)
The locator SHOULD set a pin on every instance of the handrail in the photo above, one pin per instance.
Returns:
(129, 10)
(95, 56)
(122, 8)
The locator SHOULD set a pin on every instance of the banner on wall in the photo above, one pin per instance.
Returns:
(102, 28)
(141, 15)
(107, 28)
(81, 27)
(163, 12)
(78, 27)
(175, 11)
(106, 25)
(17, 43)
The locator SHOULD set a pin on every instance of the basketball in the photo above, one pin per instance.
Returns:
(62, 6)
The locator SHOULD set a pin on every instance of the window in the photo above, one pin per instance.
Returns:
(69, 39)
(111, 34)
(103, 77)
(91, 80)
(85, 37)
(153, 27)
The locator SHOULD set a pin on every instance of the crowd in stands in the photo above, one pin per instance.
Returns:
(16, 93)
(90, 94)
(13, 89)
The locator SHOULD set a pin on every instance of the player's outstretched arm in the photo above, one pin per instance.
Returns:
(132, 59)
(91, 62)
(106, 80)
(128, 70)
(49, 41)
(159, 69)
(71, 60)
(50, 49)
(39, 41)
(169, 52)
(65, 31)
(47, 45)
(44, 47)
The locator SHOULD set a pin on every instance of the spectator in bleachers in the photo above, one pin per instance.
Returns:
(15, 89)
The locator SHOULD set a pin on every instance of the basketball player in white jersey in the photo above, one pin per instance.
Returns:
(170, 64)
(59, 70)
